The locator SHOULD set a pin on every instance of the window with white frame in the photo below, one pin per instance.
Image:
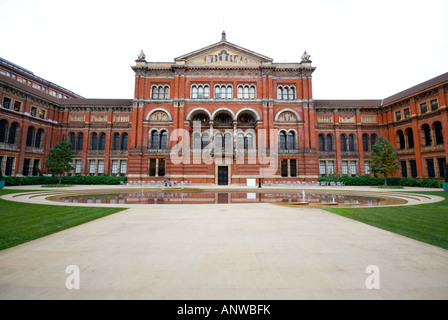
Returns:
(246, 91)
(77, 166)
(331, 167)
(100, 166)
(114, 167)
(286, 92)
(344, 167)
(200, 91)
(160, 92)
(353, 168)
(92, 166)
(223, 91)
(123, 165)
(366, 167)
(322, 167)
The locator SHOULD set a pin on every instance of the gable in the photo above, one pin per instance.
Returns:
(223, 54)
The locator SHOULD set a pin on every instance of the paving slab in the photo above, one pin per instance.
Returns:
(223, 251)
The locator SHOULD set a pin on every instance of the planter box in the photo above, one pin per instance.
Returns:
(445, 186)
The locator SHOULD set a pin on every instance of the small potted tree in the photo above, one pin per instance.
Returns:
(445, 184)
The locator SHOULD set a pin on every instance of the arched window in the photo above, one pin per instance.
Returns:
(343, 142)
(116, 141)
(401, 140)
(167, 92)
(427, 134)
(80, 141)
(240, 141)
(124, 141)
(228, 141)
(351, 143)
(155, 139)
(155, 93)
(246, 92)
(38, 139)
(291, 140)
(3, 125)
(194, 92)
(438, 132)
(72, 140)
(219, 142)
(251, 92)
(410, 135)
(29, 136)
(329, 142)
(196, 140)
(217, 92)
(321, 142)
(282, 140)
(365, 142)
(248, 142)
(163, 140)
(161, 92)
(94, 141)
(292, 94)
(229, 92)
(12, 133)
(102, 142)
(240, 92)
(372, 140)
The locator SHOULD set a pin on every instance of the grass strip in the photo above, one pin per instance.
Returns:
(23, 222)
(425, 222)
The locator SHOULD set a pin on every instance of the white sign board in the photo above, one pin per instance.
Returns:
(251, 182)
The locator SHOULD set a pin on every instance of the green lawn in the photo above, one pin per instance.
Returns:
(22, 222)
(426, 222)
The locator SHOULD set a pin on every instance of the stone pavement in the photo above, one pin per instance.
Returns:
(225, 251)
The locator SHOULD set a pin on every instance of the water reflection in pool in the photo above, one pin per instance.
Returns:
(154, 197)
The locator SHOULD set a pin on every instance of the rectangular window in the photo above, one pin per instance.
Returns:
(344, 167)
(430, 167)
(293, 167)
(442, 165)
(26, 167)
(353, 168)
(331, 167)
(6, 103)
(17, 106)
(114, 167)
(423, 107)
(92, 166)
(123, 166)
(100, 166)
(152, 167)
(413, 165)
(398, 115)
(41, 114)
(407, 113)
(404, 170)
(33, 111)
(322, 168)
(77, 166)
(366, 167)
(434, 104)
(36, 167)
(161, 167)
(284, 168)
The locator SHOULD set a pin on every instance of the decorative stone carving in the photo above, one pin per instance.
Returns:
(99, 118)
(287, 116)
(121, 118)
(159, 116)
(76, 118)
(305, 57)
(224, 57)
(324, 119)
(141, 56)
(347, 119)
(368, 119)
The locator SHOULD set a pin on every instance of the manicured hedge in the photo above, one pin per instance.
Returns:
(42, 180)
(376, 181)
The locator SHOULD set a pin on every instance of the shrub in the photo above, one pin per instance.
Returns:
(78, 179)
(367, 180)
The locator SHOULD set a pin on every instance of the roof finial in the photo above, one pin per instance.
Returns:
(223, 36)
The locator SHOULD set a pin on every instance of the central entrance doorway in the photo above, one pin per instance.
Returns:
(223, 175)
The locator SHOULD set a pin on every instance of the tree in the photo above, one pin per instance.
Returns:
(60, 158)
(385, 158)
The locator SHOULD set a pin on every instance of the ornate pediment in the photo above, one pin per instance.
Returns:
(221, 54)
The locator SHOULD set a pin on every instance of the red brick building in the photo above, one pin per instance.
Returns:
(219, 115)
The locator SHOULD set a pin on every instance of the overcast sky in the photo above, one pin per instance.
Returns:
(362, 49)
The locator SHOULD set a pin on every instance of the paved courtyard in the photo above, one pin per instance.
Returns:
(226, 251)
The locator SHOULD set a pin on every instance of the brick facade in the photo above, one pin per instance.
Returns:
(259, 116)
